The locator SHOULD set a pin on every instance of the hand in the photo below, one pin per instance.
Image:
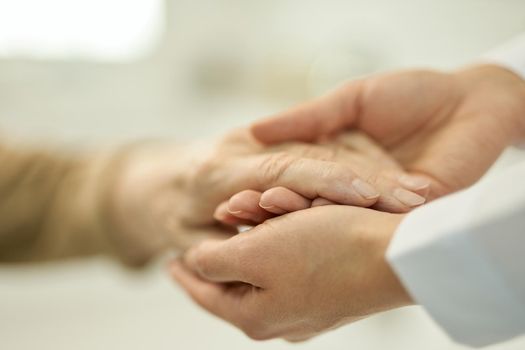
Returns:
(165, 195)
(297, 275)
(399, 192)
(446, 127)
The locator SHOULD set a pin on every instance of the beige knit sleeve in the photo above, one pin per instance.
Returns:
(55, 206)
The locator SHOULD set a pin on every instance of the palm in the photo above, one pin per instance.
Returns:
(445, 128)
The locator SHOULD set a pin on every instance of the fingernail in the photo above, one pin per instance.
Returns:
(365, 189)
(408, 198)
(236, 212)
(241, 214)
(413, 182)
(273, 209)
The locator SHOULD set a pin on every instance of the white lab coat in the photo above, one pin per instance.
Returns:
(462, 257)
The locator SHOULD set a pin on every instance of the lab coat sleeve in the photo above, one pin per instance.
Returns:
(462, 258)
(510, 55)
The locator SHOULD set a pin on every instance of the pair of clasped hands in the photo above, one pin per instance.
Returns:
(325, 185)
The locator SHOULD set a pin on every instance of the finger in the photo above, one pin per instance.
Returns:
(222, 215)
(310, 178)
(236, 303)
(297, 338)
(187, 237)
(400, 194)
(211, 296)
(280, 200)
(222, 261)
(416, 183)
(245, 205)
(319, 202)
(323, 116)
(400, 201)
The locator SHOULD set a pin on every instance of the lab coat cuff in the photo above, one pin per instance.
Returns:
(434, 255)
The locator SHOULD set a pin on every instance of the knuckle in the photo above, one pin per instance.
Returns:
(203, 172)
(307, 151)
(274, 166)
(326, 152)
(331, 176)
(377, 179)
(331, 170)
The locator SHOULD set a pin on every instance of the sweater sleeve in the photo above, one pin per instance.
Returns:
(55, 205)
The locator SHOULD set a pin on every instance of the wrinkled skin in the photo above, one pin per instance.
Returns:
(166, 195)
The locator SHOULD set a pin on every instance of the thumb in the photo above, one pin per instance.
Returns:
(324, 116)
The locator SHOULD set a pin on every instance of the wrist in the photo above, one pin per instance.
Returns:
(503, 83)
(141, 197)
(377, 288)
(394, 291)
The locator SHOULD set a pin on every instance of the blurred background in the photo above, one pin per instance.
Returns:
(88, 73)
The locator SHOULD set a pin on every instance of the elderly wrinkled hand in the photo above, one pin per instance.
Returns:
(166, 195)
